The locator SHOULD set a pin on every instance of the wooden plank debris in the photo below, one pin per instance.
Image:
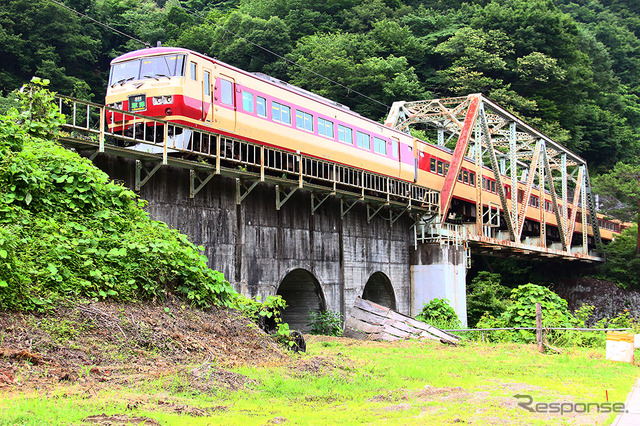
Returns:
(370, 321)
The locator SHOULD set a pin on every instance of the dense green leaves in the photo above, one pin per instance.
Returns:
(569, 68)
(66, 231)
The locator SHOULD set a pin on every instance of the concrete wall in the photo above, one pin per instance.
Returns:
(256, 246)
(439, 272)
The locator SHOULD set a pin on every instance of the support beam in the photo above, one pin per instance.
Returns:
(574, 207)
(141, 168)
(371, 212)
(393, 217)
(486, 137)
(513, 164)
(458, 155)
(195, 179)
(554, 200)
(242, 190)
(527, 192)
(317, 201)
(279, 192)
(543, 204)
(344, 203)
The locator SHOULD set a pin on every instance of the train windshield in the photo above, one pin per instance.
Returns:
(151, 67)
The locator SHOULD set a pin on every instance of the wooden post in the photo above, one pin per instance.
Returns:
(539, 327)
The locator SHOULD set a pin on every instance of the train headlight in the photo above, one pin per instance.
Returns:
(116, 105)
(163, 100)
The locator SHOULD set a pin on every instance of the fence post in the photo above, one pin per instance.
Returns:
(539, 327)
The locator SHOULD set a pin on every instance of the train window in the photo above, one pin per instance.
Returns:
(460, 176)
(261, 106)
(440, 167)
(472, 179)
(345, 134)
(446, 168)
(226, 91)
(207, 83)
(493, 186)
(325, 128)
(433, 165)
(363, 140)
(280, 113)
(304, 121)
(395, 148)
(247, 101)
(379, 146)
(175, 64)
(194, 71)
(465, 176)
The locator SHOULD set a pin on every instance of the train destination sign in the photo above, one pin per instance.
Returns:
(138, 103)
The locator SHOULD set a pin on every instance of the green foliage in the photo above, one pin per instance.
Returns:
(622, 263)
(485, 295)
(66, 231)
(521, 312)
(438, 312)
(327, 323)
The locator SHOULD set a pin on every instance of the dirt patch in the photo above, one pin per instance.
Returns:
(119, 419)
(119, 344)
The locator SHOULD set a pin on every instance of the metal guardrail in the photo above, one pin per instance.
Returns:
(210, 151)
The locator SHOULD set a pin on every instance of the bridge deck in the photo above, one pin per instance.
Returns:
(251, 163)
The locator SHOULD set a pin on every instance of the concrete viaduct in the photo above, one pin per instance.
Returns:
(319, 261)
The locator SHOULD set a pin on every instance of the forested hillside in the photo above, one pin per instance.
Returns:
(570, 67)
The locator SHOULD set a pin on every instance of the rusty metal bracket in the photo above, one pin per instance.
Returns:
(279, 200)
(371, 215)
(242, 190)
(317, 201)
(194, 178)
(142, 168)
(344, 211)
(394, 218)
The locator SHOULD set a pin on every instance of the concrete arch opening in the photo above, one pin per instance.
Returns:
(302, 292)
(379, 290)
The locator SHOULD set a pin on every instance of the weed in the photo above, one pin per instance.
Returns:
(328, 323)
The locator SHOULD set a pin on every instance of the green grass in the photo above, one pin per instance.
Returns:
(347, 382)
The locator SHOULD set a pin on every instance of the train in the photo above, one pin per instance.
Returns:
(189, 88)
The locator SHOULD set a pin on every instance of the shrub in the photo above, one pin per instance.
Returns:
(439, 313)
(328, 323)
(485, 295)
(522, 313)
(67, 231)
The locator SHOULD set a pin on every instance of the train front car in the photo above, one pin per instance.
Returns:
(147, 82)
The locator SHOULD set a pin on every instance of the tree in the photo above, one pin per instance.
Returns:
(621, 187)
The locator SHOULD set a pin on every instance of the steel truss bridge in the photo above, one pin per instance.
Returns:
(493, 137)
(484, 131)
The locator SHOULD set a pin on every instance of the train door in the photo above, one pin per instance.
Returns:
(207, 96)
(226, 97)
(395, 153)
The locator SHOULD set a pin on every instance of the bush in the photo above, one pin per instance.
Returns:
(327, 323)
(439, 313)
(485, 295)
(522, 313)
(622, 263)
(67, 231)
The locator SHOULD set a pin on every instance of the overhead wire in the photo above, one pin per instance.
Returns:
(98, 22)
(204, 18)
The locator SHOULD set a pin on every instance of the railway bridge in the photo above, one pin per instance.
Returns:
(320, 233)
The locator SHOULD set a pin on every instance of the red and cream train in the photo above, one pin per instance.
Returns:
(190, 88)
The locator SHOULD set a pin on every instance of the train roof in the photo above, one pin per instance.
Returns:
(257, 75)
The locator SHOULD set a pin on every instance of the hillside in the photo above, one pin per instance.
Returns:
(569, 67)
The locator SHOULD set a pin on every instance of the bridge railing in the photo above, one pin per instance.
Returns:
(87, 126)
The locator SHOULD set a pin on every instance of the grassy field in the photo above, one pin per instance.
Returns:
(338, 381)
